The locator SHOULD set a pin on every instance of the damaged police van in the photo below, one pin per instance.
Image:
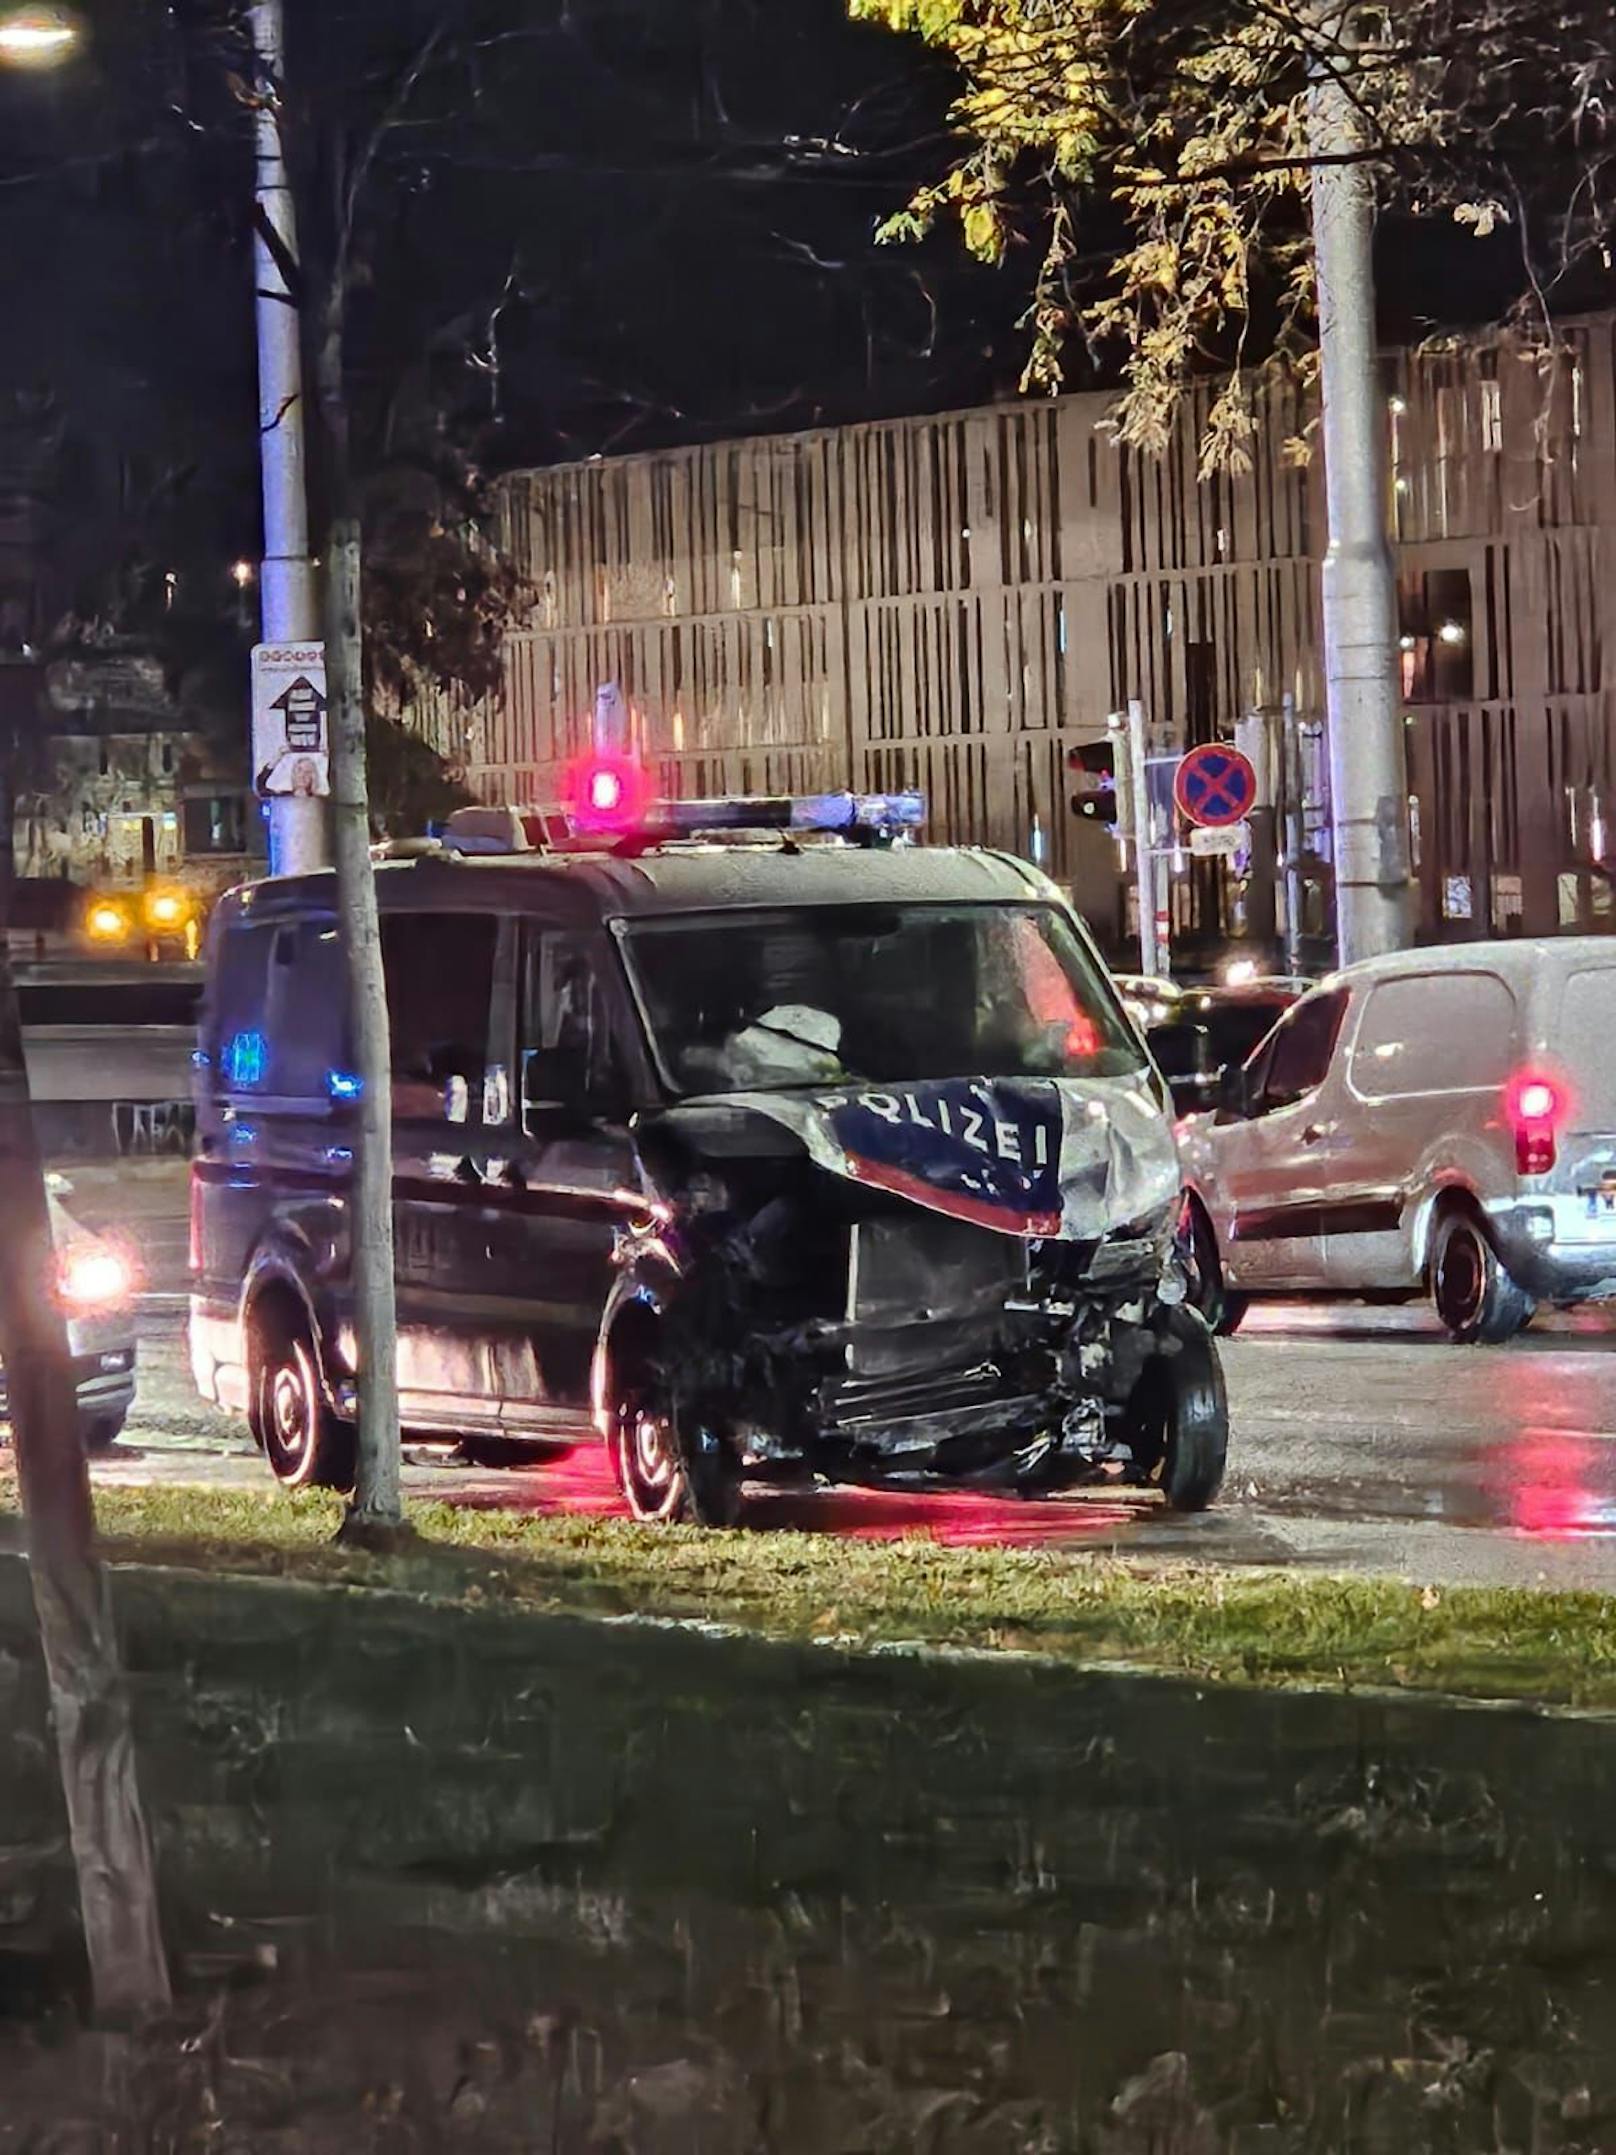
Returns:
(776, 1156)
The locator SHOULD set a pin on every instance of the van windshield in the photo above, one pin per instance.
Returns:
(872, 994)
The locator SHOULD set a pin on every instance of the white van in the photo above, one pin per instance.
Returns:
(1440, 1119)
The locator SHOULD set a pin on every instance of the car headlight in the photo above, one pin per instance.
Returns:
(93, 1276)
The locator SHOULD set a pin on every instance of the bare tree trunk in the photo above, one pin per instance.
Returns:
(89, 1701)
(376, 1514)
(377, 1510)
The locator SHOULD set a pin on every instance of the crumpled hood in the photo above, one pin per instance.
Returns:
(1068, 1158)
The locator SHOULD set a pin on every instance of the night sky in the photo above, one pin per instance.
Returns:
(596, 226)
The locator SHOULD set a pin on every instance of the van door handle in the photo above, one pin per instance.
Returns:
(1315, 1133)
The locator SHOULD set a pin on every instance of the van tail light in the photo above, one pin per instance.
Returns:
(1537, 1105)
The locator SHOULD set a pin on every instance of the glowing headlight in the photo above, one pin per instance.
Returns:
(92, 1275)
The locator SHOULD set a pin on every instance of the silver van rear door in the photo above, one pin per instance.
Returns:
(1583, 1046)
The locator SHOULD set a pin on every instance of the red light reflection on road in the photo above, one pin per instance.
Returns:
(1545, 1492)
(584, 1487)
(957, 1520)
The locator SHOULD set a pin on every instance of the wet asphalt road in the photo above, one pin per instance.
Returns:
(1361, 1441)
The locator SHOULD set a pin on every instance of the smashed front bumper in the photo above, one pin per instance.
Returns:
(960, 1351)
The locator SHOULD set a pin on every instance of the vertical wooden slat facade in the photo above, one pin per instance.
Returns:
(955, 602)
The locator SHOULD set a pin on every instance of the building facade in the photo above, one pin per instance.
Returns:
(957, 602)
(115, 784)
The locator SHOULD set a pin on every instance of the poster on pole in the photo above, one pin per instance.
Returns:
(291, 746)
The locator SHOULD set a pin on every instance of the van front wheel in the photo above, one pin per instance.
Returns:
(306, 1445)
(1221, 1306)
(671, 1468)
(1177, 1421)
(1475, 1297)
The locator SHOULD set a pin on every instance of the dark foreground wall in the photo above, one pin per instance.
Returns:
(466, 1881)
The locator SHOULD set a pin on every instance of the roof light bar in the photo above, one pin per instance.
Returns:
(851, 814)
(866, 817)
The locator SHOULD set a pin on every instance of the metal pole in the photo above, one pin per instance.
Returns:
(1291, 770)
(1144, 859)
(1254, 737)
(1368, 765)
(298, 837)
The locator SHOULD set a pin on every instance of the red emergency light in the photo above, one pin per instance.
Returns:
(604, 791)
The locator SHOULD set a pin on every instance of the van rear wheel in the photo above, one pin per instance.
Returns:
(1477, 1301)
(306, 1445)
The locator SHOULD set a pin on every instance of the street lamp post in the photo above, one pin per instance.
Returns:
(289, 595)
(1364, 720)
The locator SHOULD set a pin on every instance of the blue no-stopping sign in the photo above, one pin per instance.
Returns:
(1215, 786)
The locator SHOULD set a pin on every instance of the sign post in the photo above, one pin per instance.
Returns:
(1151, 956)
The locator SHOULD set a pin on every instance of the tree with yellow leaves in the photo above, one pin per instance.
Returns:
(1191, 123)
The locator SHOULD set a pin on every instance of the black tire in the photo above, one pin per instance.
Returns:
(102, 1431)
(672, 1469)
(306, 1445)
(1222, 1308)
(1475, 1298)
(1178, 1417)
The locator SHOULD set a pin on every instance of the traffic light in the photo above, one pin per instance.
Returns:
(1094, 776)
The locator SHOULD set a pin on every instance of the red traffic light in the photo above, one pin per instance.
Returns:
(606, 792)
(1094, 769)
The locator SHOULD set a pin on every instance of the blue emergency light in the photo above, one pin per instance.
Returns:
(849, 815)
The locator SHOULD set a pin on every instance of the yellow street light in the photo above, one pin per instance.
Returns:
(37, 37)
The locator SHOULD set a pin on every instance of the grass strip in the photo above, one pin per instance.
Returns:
(1253, 1627)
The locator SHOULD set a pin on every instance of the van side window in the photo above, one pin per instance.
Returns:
(566, 1022)
(1434, 1033)
(236, 1021)
(440, 989)
(1299, 1054)
(307, 1011)
(276, 1021)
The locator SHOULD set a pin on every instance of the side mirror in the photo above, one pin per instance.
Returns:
(558, 1086)
(1183, 1052)
(554, 1081)
(1234, 1096)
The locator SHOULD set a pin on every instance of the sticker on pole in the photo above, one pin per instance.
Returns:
(1215, 786)
(291, 748)
(1210, 840)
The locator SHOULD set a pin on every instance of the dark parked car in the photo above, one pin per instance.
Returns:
(1212, 1030)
